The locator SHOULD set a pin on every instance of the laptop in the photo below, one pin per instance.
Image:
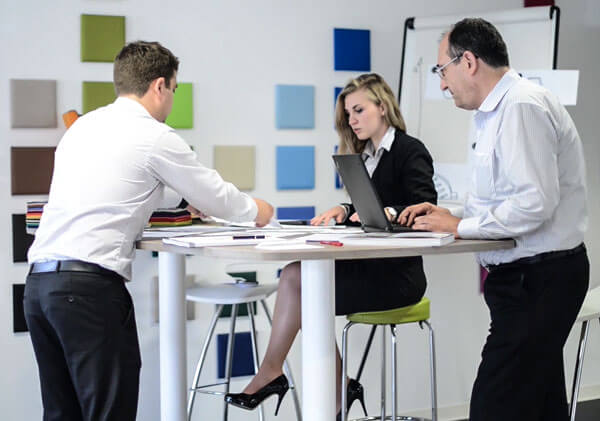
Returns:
(364, 197)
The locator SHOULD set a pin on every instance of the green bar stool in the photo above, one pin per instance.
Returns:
(416, 313)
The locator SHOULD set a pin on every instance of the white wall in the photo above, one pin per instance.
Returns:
(234, 52)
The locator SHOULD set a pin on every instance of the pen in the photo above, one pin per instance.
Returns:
(248, 237)
(327, 243)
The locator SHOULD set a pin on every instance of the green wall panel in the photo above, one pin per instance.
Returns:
(182, 115)
(96, 95)
(102, 37)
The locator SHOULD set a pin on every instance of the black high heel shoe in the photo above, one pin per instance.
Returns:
(355, 391)
(279, 386)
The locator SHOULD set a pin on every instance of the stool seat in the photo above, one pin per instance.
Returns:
(410, 314)
(230, 293)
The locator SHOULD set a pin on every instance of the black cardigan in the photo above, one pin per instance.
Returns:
(403, 176)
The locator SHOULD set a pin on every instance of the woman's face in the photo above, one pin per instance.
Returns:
(365, 118)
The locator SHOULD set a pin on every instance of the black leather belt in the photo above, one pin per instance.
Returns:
(70, 266)
(538, 258)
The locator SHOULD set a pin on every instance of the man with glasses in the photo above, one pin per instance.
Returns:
(528, 183)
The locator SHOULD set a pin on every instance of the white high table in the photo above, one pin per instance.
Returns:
(318, 313)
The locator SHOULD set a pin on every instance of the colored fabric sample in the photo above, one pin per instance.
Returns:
(352, 49)
(182, 114)
(170, 218)
(295, 167)
(236, 164)
(32, 103)
(294, 107)
(102, 37)
(97, 94)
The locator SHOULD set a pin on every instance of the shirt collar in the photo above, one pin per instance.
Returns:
(502, 87)
(132, 105)
(386, 143)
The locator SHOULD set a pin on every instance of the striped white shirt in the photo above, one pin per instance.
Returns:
(527, 173)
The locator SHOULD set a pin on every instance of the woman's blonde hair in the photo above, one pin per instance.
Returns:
(379, 92)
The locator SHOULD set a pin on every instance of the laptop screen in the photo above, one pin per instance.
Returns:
(362, 192)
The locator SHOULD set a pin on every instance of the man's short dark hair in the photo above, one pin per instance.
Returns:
(481, 38)
(141, 62)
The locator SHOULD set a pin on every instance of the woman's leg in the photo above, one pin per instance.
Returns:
(286, 324)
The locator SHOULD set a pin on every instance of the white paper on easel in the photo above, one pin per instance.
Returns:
(562, 83)
(432, 87)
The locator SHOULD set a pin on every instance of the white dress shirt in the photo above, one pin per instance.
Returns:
(528, 173)
(110, 172)
(371, 157)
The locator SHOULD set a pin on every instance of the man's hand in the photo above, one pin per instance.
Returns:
(338, 213)
(195, 212)
(426, 216)
(438, 221)
(408, 215)
(265, 212)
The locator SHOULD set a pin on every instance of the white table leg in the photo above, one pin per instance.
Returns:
(318, 340)
(173, 367)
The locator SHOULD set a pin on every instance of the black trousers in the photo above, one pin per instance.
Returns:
(85, 340)
(532, 308)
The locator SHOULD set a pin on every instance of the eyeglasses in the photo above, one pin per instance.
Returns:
(440, 70)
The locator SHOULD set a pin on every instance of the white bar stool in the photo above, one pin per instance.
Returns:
(590, 310)
(235, 292)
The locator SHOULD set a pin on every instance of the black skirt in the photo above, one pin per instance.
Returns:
(378, 284)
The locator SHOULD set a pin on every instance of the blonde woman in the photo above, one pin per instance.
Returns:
(368, 122)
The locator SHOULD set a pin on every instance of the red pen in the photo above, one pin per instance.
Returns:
(332, 243)
(327, 242)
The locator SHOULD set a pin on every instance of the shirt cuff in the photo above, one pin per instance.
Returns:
(468, 228)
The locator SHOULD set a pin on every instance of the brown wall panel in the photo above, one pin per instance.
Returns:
(31, 170)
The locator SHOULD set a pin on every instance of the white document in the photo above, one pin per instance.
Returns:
(562, 83)
(220, 240)
(286, 245)
(400, 239)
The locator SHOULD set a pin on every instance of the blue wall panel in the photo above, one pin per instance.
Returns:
(352, 49)
(295, 167)
(242, 355)
(294, 107)
(297, 212)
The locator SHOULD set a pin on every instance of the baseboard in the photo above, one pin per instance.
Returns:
(461, 412)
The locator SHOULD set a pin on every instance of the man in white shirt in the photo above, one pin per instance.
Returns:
(113, 167)
(528, 183)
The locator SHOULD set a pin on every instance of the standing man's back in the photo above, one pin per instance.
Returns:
(113, 167)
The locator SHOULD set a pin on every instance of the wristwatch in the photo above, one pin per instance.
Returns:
(392, 212)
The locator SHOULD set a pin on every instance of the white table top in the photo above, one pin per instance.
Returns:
(327, 252)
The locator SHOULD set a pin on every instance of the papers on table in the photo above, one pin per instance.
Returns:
(300, 238)
(166, 232)
(230, 238)
(401, 239)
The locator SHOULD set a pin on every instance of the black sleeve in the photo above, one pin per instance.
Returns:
(416, 177)
(350, 210)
